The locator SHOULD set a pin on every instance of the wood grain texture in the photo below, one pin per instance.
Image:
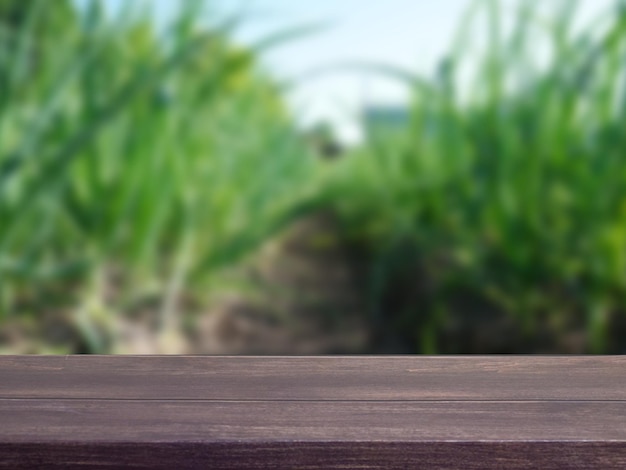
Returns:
(323, 412)
(159, 421)
(320, 378)
(312, 455)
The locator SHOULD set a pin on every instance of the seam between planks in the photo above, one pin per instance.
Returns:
(282, 400)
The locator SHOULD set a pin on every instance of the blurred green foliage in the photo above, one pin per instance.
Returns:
(512, 194)
(132, 162)
(136, 164)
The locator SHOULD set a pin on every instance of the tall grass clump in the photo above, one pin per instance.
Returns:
(133, 162)
(506, 191)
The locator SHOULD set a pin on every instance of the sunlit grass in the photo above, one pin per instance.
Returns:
(133, 163)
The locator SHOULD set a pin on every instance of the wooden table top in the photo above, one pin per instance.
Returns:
(313, 412)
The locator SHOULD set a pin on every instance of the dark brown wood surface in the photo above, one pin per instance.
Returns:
(313, 412)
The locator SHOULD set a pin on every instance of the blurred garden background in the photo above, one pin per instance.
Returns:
(171, 182)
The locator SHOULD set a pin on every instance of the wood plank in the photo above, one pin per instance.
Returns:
(313, 455)
(321, 378)
(83, 421)
(323, 412)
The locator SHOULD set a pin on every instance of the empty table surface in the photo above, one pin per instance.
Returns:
(313, 412)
